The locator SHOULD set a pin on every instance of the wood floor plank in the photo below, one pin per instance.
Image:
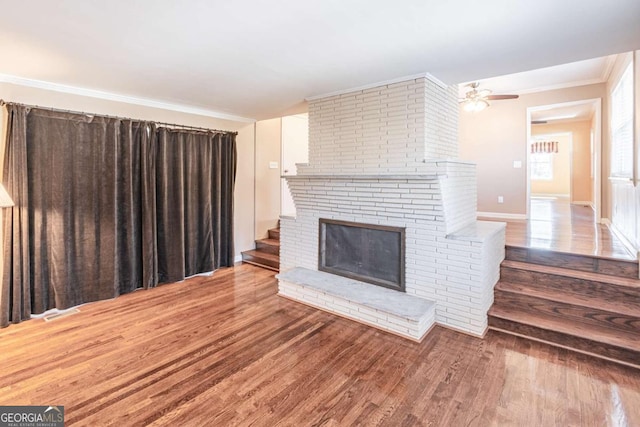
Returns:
(226, 350)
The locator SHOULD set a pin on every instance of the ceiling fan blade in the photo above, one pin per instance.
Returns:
(538, 122)
(500, 97)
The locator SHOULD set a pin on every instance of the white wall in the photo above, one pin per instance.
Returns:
(295, 149)
(267, 178)
(244, 191)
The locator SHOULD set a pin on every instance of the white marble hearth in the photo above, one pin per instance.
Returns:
(389, 310)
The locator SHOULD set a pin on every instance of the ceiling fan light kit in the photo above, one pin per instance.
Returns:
(475, 105)
(477, 100)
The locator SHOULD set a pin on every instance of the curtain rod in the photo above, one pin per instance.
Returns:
(3, 102)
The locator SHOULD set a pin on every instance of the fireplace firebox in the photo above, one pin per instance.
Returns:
(370, 253)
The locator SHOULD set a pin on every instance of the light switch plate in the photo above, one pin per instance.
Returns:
(273, 165)
(517, 164)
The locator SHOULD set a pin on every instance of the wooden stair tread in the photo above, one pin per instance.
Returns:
(262, 259)
(270, 242)
(630, 259)
(596, 303)
(577, 274)
(606, 335)
(261, 254)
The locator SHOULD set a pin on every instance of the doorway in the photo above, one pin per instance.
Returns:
(566, 169)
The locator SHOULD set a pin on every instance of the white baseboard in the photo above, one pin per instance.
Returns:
(500, 215)
(238, 258)
(549, 195)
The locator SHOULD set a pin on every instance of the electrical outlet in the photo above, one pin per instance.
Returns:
(273, 165)
(500, 199)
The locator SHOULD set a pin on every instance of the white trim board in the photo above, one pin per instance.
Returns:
(92, 93)
(500, 215)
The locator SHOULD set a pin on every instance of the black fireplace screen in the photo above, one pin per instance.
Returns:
(367, 252)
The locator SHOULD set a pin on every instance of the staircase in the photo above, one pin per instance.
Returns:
(267, 251)
(584, 303)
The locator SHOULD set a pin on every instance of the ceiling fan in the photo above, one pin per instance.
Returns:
(478, 99)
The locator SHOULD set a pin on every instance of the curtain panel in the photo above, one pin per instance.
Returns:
(195, 177)
(104, 206)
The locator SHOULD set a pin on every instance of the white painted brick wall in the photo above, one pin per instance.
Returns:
(386, 129)
(458, 275)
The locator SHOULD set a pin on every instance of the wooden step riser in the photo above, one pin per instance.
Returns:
(274, 233)
(260, 261)
(578, 343)
(569, 312)
(571, 285)
(272, 249)
(620, 268)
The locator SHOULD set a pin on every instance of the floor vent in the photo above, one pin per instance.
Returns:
(57, 316)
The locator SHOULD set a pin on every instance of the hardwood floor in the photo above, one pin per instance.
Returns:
(557, 225)
(226, 350)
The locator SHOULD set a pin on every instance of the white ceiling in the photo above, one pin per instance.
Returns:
(259, 59)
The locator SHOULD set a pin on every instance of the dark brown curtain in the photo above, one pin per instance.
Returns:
(15, 295)
(195, 176)
(104, 206)
(83, 235)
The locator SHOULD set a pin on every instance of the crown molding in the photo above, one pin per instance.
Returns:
(608, 67)
(561, 86)
(146, 102)
(427, 76)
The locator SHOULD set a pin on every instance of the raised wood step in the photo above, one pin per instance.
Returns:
(605, 342)
(262, 259)
(615, 303)
(274, 233)
(268, 245)
(587, 263)
(568, 309)
(607, 289)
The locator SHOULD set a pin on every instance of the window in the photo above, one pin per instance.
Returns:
(622, 126)
(542, 166)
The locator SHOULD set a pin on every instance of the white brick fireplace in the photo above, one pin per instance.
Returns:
(387, 156)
